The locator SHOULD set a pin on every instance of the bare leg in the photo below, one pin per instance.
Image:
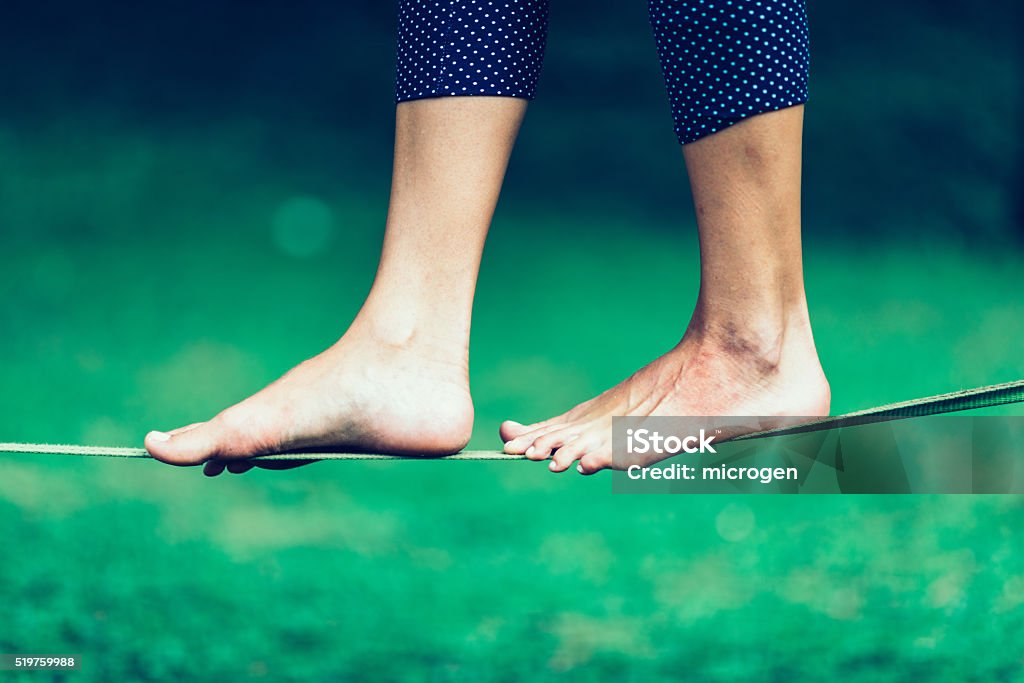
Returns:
(397, 380)
(748, 348)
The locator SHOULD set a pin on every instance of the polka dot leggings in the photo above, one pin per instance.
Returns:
(723, 60)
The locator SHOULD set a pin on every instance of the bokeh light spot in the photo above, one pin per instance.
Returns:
(735, 522)
(302, 226)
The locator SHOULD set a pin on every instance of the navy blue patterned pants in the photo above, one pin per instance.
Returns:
(723, 60)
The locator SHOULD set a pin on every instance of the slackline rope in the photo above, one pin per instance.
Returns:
(967, 399)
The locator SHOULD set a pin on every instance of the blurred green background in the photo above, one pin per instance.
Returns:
(192, 199)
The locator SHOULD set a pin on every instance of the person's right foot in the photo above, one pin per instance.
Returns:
(370, 392)
(738, 372)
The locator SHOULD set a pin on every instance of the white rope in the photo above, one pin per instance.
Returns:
(68, 449)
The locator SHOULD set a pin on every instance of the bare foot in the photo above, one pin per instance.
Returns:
(716, 372)
(372, 391)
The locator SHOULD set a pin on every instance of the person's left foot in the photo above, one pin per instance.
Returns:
(709, 373)
(367, 393)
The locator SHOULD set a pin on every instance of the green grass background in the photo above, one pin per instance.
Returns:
(148, 279)
(463, 571)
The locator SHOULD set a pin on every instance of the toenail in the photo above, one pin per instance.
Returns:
(553, 466)
(159, 437)
(530, 451)
(579, 468)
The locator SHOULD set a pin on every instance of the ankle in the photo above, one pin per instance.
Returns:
(403, 330)
(758, 337)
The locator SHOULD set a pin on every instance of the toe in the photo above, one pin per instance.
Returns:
(573, 450)
(212, 468)
(187, 447)
(595, 460)
(520, 444)
(543, 446)
(186, 428)
(510, 429)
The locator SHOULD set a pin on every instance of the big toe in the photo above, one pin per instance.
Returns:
(184, 447)
(510, 429)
